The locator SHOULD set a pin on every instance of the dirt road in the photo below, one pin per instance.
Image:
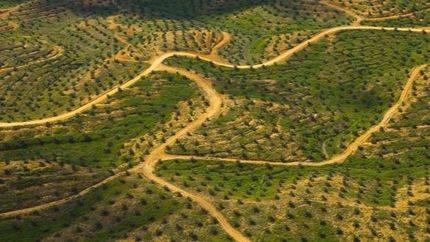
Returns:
(148, 167)
(349, 150)
(215, 101)
(155, 62)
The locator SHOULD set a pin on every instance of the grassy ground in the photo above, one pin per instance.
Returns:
(97, 137)
(127, 207)
(10, 3)
(58, 160)
(421, 18)
(306, 109)
(29, 183)
(252, 24)
(381, 192)
(312, 106)
(93, 36)
(375, 8)
(273, 203)
(83, 71)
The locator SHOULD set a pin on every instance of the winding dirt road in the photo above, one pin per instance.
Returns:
(157, 61)
(349, 150)
(215, 101)
(148, 167)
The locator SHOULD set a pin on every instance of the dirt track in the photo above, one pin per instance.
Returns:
(349, 150)
(359, 18)
(148, 167)
(155, 62)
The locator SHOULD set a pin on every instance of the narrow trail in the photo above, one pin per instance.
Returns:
(26, 211)
(155, 62)
(113, 26)
(215, 101)
(148, 167)
(359, 18)
(151, 161)
(214, 108)
(226, 38)
(58, 51)
(376, 19)
(349, 150)
(349, 12)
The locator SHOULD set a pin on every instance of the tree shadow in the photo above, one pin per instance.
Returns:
(166, 9)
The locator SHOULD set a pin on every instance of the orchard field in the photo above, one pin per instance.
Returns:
(214, 120)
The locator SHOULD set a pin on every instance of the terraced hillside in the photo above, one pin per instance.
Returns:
(383, 9)
(316, 106)
(213, 120)
(383, 187)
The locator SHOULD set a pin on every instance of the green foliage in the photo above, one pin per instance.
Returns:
(323, 96)
(10, 3)
(419, 19)
(96, 137)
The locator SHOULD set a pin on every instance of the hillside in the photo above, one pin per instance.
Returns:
(214, 120)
